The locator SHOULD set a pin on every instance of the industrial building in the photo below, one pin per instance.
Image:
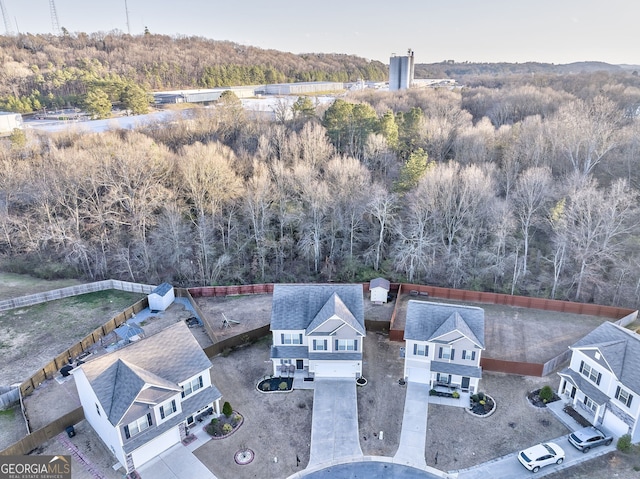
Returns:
(9, 122)
(302, 88)
(401, 72)
(201, 96)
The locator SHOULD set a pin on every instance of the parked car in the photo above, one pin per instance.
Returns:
(541, 455)
(588, 437)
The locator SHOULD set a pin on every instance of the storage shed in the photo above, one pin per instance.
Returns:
(161, 297)
(379, 289)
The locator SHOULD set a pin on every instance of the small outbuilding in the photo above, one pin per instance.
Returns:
(379, 289)
(161, 297)
(129, 332)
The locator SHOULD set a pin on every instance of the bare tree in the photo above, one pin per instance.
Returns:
(382, 206)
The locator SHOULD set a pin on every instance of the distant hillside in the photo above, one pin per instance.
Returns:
(466, 70)
(47, 70)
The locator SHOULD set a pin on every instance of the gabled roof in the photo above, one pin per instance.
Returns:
(332, 308)
(162, 289)
(620, 348)
(428, 321)
(163, 361)
(379, 283)
(296, 306)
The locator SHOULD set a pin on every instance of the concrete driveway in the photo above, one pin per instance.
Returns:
(508, 467)
(334, 427)
(414, 426)
(175, 463)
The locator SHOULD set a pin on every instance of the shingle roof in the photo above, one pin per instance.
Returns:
(620, 348)
(427, 320)
(454, 368)
(289, 352)
(162, 289)
(163, 360)
(379, 283)
(335, 307)
(295, 306)
(584, 385)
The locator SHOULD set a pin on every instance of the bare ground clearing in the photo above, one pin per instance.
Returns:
(31, 337)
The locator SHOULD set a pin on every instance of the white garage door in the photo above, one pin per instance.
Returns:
(614, 424)
(419, 375)
(335, 369)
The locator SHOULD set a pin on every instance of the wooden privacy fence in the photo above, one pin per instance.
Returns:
(209, 291)
(49, 370)
(511, 367)
(51, 430)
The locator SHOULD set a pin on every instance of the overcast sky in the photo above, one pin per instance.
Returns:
(552, 31)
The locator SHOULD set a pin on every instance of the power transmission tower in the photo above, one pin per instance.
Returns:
(5, 17)
(54, 18)
(126, 9)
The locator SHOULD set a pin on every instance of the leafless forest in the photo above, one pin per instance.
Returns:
(526, 184)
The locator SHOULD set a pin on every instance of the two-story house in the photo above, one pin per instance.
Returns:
(443, 344)
(602, 381)
(142, 398)
(318, 329)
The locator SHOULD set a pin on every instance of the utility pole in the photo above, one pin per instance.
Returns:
(54, 18)
(126, 10)
(5, 17)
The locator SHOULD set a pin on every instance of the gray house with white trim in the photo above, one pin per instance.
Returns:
(602, 381)
(141, 399)
(444, 343)
(318, 329)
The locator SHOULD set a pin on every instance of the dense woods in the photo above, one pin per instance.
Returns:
(524, 184)
(55, 71)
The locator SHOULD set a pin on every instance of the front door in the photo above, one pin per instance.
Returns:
(299, 364)
(573, 392)
(465, 383)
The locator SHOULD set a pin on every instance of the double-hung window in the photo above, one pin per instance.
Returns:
(446, 352)
(192, 386)
(590, 404)
(136, 427)
(168, 408)
(624, 396)
(345, 344)
(589, 372)
(470, 355)
(291, 338)
(420, 350)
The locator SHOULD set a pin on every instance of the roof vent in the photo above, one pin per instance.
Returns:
(597, 355)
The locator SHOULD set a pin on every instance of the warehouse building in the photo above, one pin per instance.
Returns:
(302, 88)
(209, 95)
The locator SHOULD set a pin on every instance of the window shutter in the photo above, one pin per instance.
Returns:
(300, 338)
(453, 351)
(200, 380)
(629, 400)
(618, 392)
(440, 353)
(426, 350)
(464, 354)
(149, 419)
(336, 344)
(599, 377)
(282, 338)
(326, 346)
(161, 412)
(355, 344)
(126, 432)
(585, 400)
(415, 349)
(473, 355)
(581, 366)
(315, 345)
(173, 405)
(182, 393)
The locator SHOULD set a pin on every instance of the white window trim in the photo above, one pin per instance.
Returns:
(137, 426)
(346, 344)
(192, 386)
(421, 350)
(291, 338)
(623, 396)
(590, 373)
(590, 404)
(169, 408)
(446, 352)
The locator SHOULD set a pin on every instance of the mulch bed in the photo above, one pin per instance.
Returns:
(275, 384)
(216, 428)
(576, 416)
(535, 400)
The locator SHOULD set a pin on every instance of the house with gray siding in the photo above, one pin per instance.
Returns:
(142, 399)
(318, 330)
(602, 381)
(443, 345)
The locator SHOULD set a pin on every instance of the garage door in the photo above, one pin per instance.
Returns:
(335, 369)
(419, 375)
(614, 424)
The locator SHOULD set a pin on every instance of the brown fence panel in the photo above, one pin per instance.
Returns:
(511, 367)
(376, 326)
(396, 335)
(239, 340)
(51, 430)
(61, 360)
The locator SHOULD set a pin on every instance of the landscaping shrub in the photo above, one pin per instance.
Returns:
(282, 386)
(227, 410)
(227, 428)
(214, 421)
(455, 395)
(265, 386)
(624, 443)
(546, 393)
